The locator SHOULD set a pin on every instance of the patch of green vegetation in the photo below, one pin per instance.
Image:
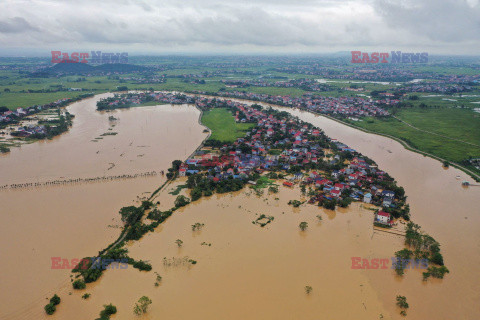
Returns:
(262, 183)
(149, 103)
(435, 272)
(14, 100)
(294, 92)
(180, 85)
(142, 305)
(402, 304)
(178, 189)
(4, 148)
(142, 265)
(275, 152)
(263, 220)
(50, 308)
(454, 123)
(107, 311)
(295, 203)
(223, 126)
(79, 284)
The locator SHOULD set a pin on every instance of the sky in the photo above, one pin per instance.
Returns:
(36, 27)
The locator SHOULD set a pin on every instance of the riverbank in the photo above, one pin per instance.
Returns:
(259, 120)
(440, 204)
(407, 144)
(246, 258)
(78, 219)
(29, 125)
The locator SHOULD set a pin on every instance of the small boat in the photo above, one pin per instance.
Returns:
(465, 183)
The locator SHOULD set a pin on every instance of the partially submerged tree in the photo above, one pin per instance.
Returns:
(303, 225)
(107, 311)
(142, 305)
(181, 201)
(50, 308)
(308, 289)
(55, 300)
(402, 302)
(197, 226)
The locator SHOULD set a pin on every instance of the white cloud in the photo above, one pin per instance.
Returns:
(248, 25)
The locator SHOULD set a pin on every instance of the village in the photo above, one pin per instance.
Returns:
(342, 106)
(435, 87)
(280, 146)
(22, 122)
(305, 84)
(285, 147)
(37, 122)
(378, 73)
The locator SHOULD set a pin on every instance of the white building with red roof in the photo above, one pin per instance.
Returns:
(383, 217)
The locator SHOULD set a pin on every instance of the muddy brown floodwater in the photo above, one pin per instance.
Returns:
(74, 221)
(446, 210)
(248, 272)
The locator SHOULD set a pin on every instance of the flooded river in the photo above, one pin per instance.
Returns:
(446, 210)
(78, 220)
(247, 272)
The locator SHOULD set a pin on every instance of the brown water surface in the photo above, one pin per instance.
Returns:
(248, 272)
(74, 221)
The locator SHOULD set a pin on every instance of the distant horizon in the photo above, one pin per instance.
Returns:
(231, 54)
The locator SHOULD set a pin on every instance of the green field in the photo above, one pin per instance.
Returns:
(223, 125)
(179, 85)
(14, 100)
(294, 92)
(444, 125)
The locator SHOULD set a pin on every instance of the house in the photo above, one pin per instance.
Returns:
(336, 174)
(383, 217)
(388, 194)
(335, 193)
(192, 161)
(387, 202)
(339, 186)
(322, 182)
(182, 172)
(367, 198)
(298, 176)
